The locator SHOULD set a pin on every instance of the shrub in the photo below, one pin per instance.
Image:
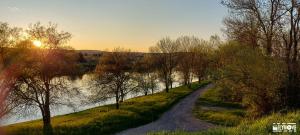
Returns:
(251, 77)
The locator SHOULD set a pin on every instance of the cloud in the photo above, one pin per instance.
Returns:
(13, 9)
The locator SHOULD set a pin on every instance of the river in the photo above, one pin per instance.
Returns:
(81, 83)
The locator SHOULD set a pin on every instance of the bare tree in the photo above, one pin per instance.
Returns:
(290, 35)
(145, 75)
(40, 81)
(187, 58)
(8, 38)
(262, 16)
(7, 80)
(202, 53)
(276, 23)
(166, 58)
(7, 76)
(243, 31)
(113, 76)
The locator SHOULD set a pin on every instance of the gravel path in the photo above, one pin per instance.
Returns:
(180, 117)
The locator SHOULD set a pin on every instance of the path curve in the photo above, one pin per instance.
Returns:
(180, 117)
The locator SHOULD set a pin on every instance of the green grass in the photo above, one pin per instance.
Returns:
(232, 119)
(106, 119)
(261, 126)
(210, 108)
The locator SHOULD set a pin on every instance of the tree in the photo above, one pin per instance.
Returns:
(261, 16)
(8, 38)
(165, 54)
(255, 77)
(276, 23)
(290, 36)
(243, 31)
(202, 53)
(40, 81)
(7, 102)
(145, 75)
(81, 58)
(113, 76)
(187, 57)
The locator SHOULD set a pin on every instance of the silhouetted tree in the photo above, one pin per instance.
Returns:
(202, 52)
(113, 76)
(187, 58)
(8, 38)
(274, 24)
(166, 59)
(145, 74)
(40, 81)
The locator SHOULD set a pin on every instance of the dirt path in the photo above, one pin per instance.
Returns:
(180, 117)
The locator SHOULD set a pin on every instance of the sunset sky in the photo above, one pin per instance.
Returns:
(105, 24)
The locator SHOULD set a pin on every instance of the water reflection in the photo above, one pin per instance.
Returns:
(83, 84)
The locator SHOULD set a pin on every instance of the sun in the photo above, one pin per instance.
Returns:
(37, 43)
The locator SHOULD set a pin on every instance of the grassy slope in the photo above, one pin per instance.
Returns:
(261, 126)
(211, 109)
(106, 119)
(234, 116)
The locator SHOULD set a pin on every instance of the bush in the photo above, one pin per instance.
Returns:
(250, 77)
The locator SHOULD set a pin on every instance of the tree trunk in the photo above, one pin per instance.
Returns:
(47, 115)
(292, 86)
(167, 86)
(166, 82)
(269, 46)
(117, 100)
(46, 110)
(171, 84)
(122, 96)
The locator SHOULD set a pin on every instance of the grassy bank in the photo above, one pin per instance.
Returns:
(212, 109)
(106, 119)
(232, 120)
(261, 126)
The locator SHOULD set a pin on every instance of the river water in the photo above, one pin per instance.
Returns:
(81, 83)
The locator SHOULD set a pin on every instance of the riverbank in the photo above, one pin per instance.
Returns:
(106, 119)
(179, 117)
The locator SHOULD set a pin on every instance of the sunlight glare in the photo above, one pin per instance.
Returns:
(37, 43)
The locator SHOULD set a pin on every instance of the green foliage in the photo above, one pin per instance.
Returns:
(250, 77)
(106, 119)
(261, 126)
(211, 108)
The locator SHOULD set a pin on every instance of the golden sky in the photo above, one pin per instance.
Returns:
(106, 24)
